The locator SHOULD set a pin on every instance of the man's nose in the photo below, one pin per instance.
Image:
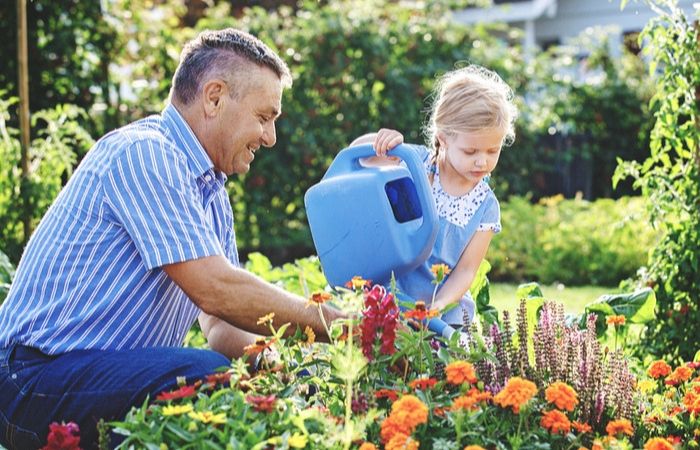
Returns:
(269, 136)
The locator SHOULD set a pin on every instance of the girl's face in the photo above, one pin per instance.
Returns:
(471, 155)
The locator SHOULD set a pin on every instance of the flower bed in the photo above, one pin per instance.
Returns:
(385, 381)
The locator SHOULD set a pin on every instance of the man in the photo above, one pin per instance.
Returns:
(137, 245)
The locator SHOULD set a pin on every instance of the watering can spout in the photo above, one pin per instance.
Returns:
(370, 221)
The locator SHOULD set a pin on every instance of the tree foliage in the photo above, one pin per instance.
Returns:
(670, 178)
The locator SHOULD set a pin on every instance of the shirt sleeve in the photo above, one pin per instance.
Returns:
(491, 220)
(155, 197)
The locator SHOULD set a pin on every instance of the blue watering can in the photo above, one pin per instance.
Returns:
(370, 221)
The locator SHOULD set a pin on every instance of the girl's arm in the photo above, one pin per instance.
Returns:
(462, 276)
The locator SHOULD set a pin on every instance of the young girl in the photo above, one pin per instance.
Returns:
(471, 118)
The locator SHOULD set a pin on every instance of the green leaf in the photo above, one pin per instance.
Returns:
(528, 290)
(637, 307)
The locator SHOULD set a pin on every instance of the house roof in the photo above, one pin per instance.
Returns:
(508, 12)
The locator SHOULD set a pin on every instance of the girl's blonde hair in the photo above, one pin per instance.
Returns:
(470, 99)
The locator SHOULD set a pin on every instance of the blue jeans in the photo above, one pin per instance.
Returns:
(85, 386)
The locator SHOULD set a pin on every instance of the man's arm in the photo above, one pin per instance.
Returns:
(240, 298)
(224, 337)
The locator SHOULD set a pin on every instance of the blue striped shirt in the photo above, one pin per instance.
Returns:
(91, 278)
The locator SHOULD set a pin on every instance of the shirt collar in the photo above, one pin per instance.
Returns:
(185, 139)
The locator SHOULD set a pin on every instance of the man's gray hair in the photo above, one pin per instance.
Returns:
(222, 53)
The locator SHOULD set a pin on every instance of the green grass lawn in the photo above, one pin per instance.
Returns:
(574, 298)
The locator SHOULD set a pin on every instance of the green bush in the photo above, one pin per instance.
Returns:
(52, 156)
(571, 241)
(670, 180)
(357, 66)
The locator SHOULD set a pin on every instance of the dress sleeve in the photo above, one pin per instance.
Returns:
(491, 220)
(154, 196)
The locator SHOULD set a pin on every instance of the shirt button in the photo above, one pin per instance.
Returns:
(207, 177)
(14, 376)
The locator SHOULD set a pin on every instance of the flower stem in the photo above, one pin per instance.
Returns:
(323, 321)
(348, 392)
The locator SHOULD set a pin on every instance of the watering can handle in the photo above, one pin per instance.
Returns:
(348, 160)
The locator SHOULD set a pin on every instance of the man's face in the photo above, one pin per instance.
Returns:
(245, 122)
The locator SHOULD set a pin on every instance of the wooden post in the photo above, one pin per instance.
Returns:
(24, 123)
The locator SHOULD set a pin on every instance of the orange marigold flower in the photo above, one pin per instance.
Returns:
(691, 401)
(561, 395)
(420, 312)
(470, 400)
(319, 298)
(680, 374)
(620, 426)
(555, 422)
(459, 372)
(367, 446)
(474, 447)
(357, 282)
(597, 445)
(391, 427)
(615, 320)
(658, 443)
(402, 442)
(410, 410)
(658, 369)
(516, 394)
(581, 427)
(386, 393)
(422, 384)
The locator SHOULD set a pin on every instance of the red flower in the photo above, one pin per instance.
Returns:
(381, 313)
(387, 393)
(216, 379)
(422, 384)
(183, 392)
(262, 403)
(420, 312)
(63, 437)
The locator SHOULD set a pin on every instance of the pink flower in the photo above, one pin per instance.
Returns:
(63, 437)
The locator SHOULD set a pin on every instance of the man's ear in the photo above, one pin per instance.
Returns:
(213, 93)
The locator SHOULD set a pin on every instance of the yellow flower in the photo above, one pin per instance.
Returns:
(440, 271)
(176, 410)
(267, 318)
(310, 335)
(357, 282)
(646, 386)
(298, 440)
(208, 417)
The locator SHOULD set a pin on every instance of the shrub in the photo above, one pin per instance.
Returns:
(670, 180)
(571, 241)
(52, 155)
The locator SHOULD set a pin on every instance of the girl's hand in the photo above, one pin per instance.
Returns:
(385, 140)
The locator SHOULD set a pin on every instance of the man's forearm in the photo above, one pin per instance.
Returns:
(241, 298)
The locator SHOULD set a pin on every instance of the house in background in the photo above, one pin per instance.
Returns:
(553, 22)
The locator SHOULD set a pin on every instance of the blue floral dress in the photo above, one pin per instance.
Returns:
(460, 217)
